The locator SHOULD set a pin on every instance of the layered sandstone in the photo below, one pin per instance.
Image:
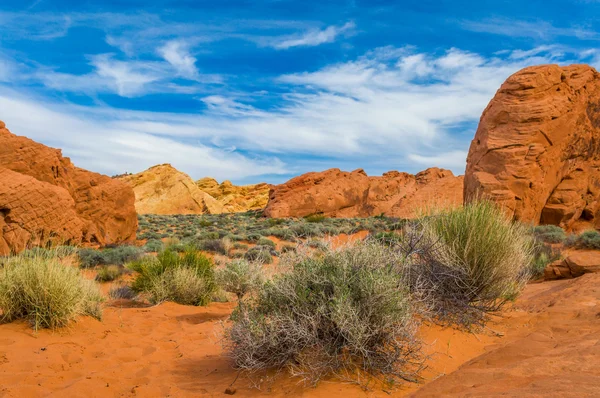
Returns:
(236, 198)
(336, 193)
(537, 148)
(163, 189)
(44, 197)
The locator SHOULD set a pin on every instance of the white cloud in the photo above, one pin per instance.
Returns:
(535, 29)
(393, 108)
(313, 37)
(177, 54)
(129, 78)
(96, 139)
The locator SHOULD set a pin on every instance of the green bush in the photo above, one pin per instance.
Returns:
(153, 245)
(387, 238)
(45, 292)
(345, 313)
(113, 256)
(212, 245)
(187, 278)
(108, 273)
(480, 261)
(313, 218)
(260, 254)
(587, 240)
(549, 233)
(121, 292)
(240, 277)
(266, 242)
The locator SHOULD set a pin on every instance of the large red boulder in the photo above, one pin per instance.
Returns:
(537, 148)
(336, 193)
(44, 197)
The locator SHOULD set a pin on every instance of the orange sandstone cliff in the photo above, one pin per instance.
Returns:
(336, 193)
(537, 148)
(45, 198)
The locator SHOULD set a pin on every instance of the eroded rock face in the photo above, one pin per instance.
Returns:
(337, 193)
(537, 147)
(236, 198)
(163, 189)
(44, 197)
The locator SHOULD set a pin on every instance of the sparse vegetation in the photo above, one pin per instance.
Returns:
(471, 261)
(46, 292)
(108, 273)
(260, 254)
(240, 277)
(89, 258)
(345, 312)
(186, 278)
(586, 240)
(549, 233)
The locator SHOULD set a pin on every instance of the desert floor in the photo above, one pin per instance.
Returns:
(547, 344)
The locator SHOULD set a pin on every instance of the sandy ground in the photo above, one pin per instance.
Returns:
(548, 344)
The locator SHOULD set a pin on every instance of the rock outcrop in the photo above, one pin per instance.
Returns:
(537, 147)
(45, 198)
(236, 198)
(163, 189)
(336, 193)
(575, 264)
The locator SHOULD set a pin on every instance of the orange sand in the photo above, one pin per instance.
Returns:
(547, 345)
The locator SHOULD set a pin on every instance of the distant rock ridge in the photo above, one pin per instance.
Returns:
(336, 193)
(236, 198)
(537, 148)
(162, 189)
(45, 198)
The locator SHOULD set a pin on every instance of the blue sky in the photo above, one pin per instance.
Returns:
(264, 90)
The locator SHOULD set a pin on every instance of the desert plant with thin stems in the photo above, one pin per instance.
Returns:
(476, 259)
(345, 312)
(46, 292)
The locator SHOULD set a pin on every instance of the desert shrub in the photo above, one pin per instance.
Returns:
(240, 277)
(108, 273)
(237, 253)
(345, 312)
(54, 252)
(281, 233)
(175, 245)
(116, 256)
(287, 248)
(212, 245)
(317, 244)
(153, 245)
(549, 233)
(205, 223)
(208, 235)
(543, 255)
(306, 230)
(186, 278)
(315, 218)
(259, 254)
(387, 238)
(240, 246)
(472, 260)
(121, 292)
(586, 240)
(266, 242)
(45, 292)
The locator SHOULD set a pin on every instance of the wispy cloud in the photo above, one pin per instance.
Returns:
(177, 54)
(313, 37)
(391, 108)
(533, 29)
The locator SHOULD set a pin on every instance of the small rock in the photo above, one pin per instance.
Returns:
(230, 391)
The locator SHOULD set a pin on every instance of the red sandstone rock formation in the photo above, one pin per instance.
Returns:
(44, 197)
(336, 193)
(537, 148)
